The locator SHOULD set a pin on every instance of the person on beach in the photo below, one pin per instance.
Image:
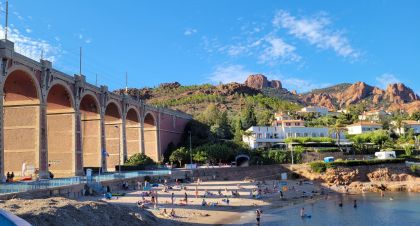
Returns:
(382, 193)
(172, 198)
(258, 212)
(186, 198)
(203, 203)
(355, 203)
(302, 212)
(196, 192)
(172, 212)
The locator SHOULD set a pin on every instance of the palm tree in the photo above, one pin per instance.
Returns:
(337, 129)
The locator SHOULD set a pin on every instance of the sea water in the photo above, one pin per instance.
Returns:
(393, 209)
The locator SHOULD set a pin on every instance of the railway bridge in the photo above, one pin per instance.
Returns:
(51, 121)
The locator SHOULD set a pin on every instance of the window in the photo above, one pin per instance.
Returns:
(297, 134)
(321, 134)
(297, 124)
(287, 123)
(305, 134)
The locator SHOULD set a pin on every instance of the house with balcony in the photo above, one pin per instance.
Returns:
(283, 127)
(406, 126)
(374, 115)
(363, 127)
(321, 111)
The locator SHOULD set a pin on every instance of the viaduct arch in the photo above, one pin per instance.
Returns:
(51, 121)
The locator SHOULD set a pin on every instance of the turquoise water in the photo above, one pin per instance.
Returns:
(403, 209)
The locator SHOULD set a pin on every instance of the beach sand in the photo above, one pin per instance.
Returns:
(223, 213)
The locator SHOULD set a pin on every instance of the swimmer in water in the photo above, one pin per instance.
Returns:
(355, 203)
(302, 212)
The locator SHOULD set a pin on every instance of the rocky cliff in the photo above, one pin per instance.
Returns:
(394, 97)
(259, 81)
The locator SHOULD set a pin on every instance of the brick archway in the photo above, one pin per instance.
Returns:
(132, 132)
(21, 121)
(61, 130)
(90, 130)
(113, 132)
(150, 136)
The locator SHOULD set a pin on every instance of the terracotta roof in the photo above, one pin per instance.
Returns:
(365, 123)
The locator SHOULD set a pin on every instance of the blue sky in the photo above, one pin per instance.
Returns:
(305, 44)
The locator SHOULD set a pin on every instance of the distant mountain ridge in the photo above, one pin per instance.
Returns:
(195, 98)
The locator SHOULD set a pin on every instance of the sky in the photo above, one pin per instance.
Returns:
(304, 44)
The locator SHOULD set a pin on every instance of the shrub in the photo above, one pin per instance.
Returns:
(415, 169)
(318, 166)
(139, 159)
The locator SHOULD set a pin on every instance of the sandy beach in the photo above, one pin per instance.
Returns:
(217, 210)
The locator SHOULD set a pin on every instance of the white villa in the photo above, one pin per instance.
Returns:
(406, 125)
(322, 111)
(363, 127)
(282, 128)
(374, 115)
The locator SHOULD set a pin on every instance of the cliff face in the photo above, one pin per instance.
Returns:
(400, 94)
(259, 81)
(396, 96)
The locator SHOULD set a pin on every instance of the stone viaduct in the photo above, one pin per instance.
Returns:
(51, 121)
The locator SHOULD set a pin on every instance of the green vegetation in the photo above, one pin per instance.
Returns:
(302, 140)
(322, 166)
(139, 159)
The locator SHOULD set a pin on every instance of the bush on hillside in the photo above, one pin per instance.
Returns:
(322, 166)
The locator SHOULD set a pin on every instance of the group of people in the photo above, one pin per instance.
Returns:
(10, 176)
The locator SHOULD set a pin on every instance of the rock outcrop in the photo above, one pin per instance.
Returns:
(259, 81)
(396, 96)
(398, 93)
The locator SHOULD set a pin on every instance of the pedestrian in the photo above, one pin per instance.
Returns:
(186, 198)
(172, 198)
(258, 212)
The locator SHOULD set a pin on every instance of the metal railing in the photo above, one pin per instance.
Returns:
(8, 188)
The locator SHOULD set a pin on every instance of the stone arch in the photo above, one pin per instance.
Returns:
(21, 121)
(150, 136)
(113, 134)
(90, 129)
(132, 131)
(61, 130)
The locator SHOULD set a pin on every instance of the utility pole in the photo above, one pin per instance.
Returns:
(6, 28)
(96, 79)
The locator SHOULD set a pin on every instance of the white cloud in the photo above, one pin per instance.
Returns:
(385, 79)
(88, 40)
(28, 30)
(278, 50)
(18, 15)
(316, 30)
(301, 85)
(230, 73)
(31, 47)
(190, 31)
